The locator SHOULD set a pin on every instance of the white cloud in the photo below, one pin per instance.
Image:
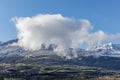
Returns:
(56, 29)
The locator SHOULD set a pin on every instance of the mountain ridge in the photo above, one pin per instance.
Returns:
(99, 50)
(105, 58)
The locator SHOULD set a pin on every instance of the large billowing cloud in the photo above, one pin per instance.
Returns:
(57, 29)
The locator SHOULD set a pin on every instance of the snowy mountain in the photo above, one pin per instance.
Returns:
(106, 50)
(108, 46)
(104, 55)
(11, 48)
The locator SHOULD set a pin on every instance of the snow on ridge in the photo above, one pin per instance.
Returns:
(100, 50)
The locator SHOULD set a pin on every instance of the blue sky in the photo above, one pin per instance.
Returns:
(103, 14)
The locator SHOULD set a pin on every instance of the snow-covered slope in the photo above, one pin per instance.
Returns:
(106, 50)
(11, 48)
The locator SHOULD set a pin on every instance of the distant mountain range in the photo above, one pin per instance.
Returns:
(104, 56)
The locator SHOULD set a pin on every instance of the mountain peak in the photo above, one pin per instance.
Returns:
(108, 46)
